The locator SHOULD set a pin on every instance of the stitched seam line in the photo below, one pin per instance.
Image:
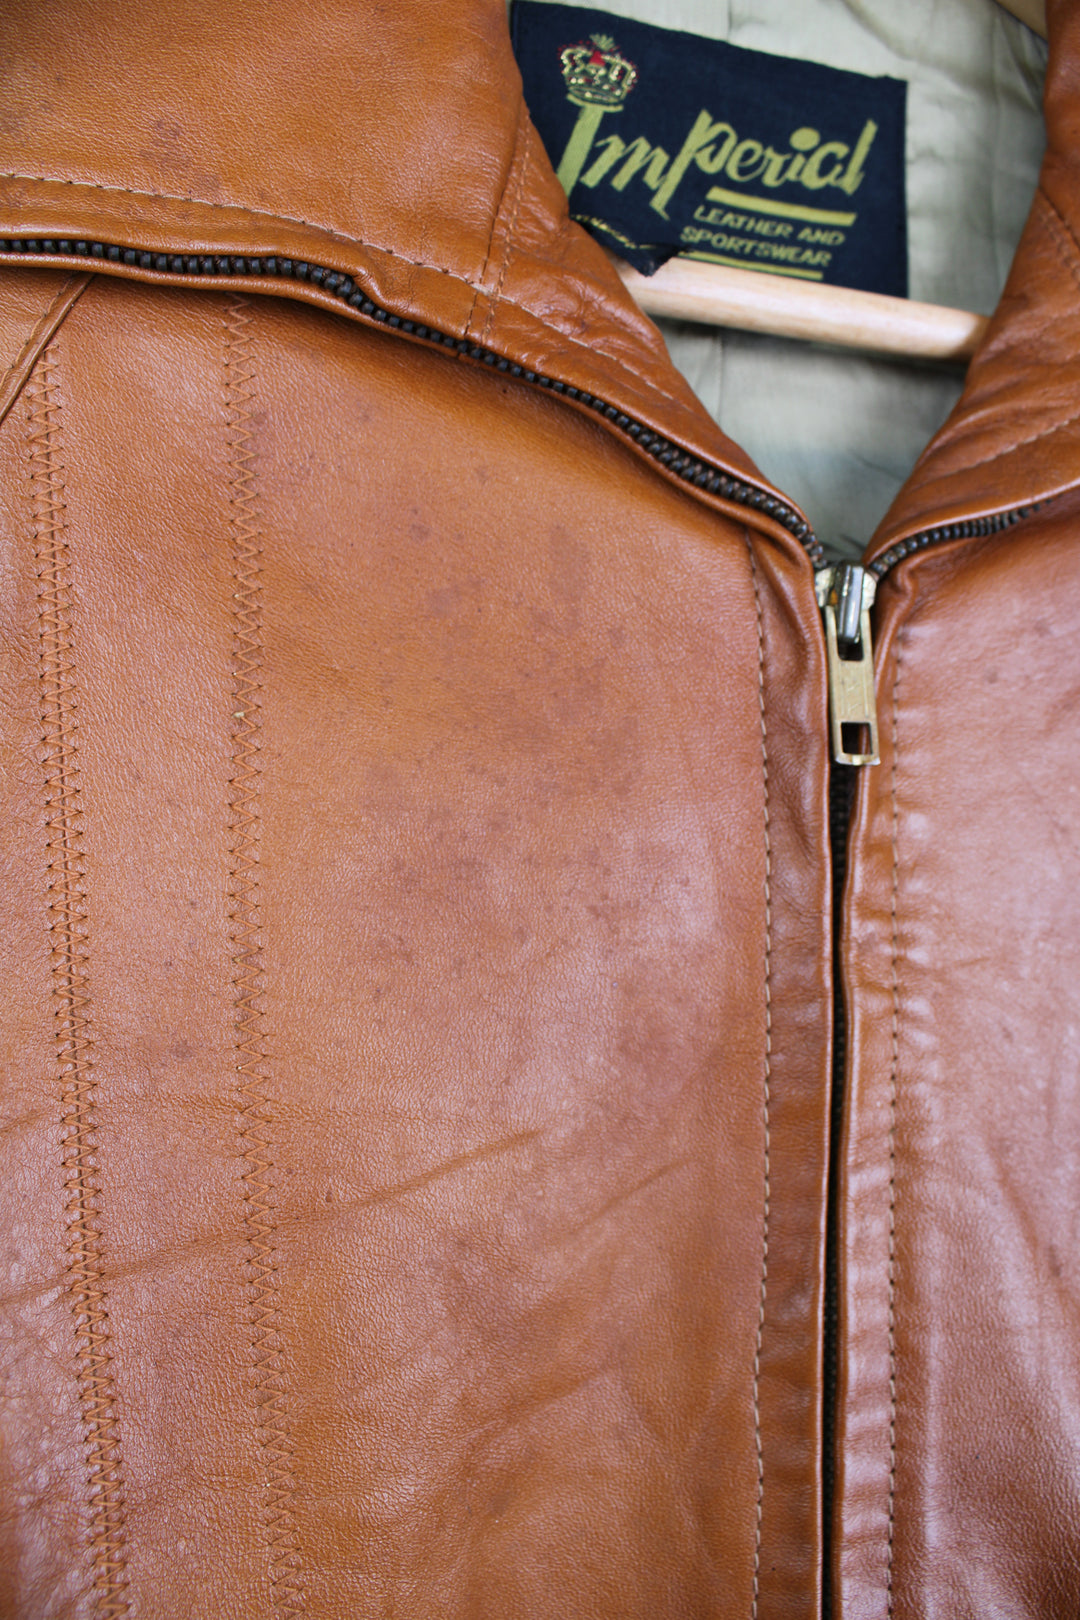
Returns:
(521, 152)
(271, 1395)
(69, 950)
(334, 236)
(893, 1093)
(236, 208)
(766, 1096)
(511, 178)
(45, 329)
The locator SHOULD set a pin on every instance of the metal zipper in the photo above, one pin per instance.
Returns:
(845, 596)
(845, 591)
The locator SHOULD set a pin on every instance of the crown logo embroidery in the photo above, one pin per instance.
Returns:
(596, 74)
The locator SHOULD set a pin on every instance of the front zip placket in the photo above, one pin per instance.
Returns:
(846, 594)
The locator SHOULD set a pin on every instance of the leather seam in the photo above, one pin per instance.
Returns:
(894, 1072)
(767, 1077)
(354, 242)
(271, 1393)
(1068, 249)
(69, 966)
(237, 208)
(521, 166)
(512, 175)
(45, 329)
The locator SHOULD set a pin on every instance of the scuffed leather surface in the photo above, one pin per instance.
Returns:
(438, 765)
(539, 886)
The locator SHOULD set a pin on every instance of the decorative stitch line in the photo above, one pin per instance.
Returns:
(69, 950)
(511, 176)
(767, 1096)
(1056, 227)
(893, 1090)
(235, 208)
(271, 1394)
(1064, 236)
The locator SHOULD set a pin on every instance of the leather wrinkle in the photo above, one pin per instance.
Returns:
(640, 377)
(18, 373)
(271, 1393)
(894, 1083)
(1057, 228)
(518, 172)
(1062, 235)
(69, 952)
(766, 1097)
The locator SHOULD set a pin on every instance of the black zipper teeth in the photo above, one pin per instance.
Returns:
(842, 780)
(664, 451)
(971, 529)
(667, 454)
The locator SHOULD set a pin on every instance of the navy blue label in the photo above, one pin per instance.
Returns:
(667, 143)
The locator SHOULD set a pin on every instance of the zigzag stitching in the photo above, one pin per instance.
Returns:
(270, 1393)
(72, 1031)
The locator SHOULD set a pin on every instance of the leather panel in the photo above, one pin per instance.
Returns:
(1013, 437)
(961, 1492)
(421, 898)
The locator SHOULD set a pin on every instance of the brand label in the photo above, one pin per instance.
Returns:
(667, 143)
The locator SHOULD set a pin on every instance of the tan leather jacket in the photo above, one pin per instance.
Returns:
(419, 1018)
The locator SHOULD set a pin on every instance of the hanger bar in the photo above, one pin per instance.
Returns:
(754, 301)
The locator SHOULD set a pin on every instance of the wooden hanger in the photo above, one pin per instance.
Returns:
(753, 301)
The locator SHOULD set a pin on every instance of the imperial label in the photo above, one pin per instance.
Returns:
(668, 143)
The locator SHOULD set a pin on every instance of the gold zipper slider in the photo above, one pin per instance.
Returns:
(845, 595)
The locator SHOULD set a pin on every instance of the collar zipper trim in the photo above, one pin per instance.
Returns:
(845, 592)
(689, 469)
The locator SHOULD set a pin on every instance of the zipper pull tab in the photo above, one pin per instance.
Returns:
(845, 595)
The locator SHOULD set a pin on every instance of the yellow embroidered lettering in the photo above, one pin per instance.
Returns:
(747, 160)
(698, 148)
(640, 155)
(710, 161)
(853, 175)
(612, 150)
(812, 176)
(803, 140)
